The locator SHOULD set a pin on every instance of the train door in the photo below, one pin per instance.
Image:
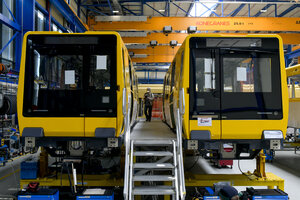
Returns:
(164, 98)
(171, 101)
(250, 92)
(100, 87)
(205, 104)
(167, 100)
(133, 109)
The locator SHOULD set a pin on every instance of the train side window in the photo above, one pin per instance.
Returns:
(181, 69)
(130, 74)
(172, 76)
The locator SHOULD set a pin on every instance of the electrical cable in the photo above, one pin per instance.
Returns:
(61, 171)
(69, 176)
(242, 171)
(82, 171)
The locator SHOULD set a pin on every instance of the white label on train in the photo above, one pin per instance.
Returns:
(204, 121)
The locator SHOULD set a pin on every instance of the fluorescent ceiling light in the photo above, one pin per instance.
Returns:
(263, 11)
(115, 11)
(161, 10)
(203, 9)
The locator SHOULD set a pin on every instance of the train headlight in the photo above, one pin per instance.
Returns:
(274, 134)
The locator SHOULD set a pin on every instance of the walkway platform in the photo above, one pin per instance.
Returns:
(152, 130)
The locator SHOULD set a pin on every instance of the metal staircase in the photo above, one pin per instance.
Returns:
(152, 174)
(154, 167)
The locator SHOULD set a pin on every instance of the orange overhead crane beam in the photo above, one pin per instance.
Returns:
(161, 50)
(288, 38)
(204, 24)
(154, 59)
(166, 53)
(156, 54)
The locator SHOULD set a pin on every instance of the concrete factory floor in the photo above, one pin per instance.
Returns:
(286, 165)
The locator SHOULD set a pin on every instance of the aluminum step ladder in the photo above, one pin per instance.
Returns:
(163, 169)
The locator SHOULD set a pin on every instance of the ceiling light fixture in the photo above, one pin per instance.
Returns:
(161, 10)
(263, 11)
(115, 11)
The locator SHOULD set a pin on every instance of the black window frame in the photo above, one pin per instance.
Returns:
(86, 98)
(270, 46)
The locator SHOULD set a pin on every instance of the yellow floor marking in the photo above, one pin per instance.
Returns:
(7, 175)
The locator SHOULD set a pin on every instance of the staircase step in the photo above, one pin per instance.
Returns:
(153, 153)
(153, 142)
(153, 190)
(153, 166)
(153, 178)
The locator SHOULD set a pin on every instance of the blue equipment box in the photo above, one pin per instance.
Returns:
(266, 194)
(41, 194)
(96, 194)
(207, 193)
(29, 170)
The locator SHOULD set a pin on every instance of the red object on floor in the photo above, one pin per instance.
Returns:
(225, 162)
(157, 107)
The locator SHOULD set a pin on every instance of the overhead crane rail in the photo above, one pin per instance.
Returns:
(203, 24)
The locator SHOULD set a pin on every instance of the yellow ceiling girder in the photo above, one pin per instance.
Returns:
(288, 38)
(204, 24)
(293, 71)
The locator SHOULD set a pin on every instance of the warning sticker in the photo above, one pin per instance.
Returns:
(204, 121)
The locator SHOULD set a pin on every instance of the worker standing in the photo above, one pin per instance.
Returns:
(148, 100)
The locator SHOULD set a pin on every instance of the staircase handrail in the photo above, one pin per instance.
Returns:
(180, 113)
(126, 114)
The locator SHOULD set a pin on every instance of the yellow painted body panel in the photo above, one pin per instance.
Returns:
(55, 126)
(74, 126)
(215, 129)
(233, 129)
(91, 123)
(250, 129)
(294, 94)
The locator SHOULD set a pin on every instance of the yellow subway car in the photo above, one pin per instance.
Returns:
(235, 94)
(71, 89)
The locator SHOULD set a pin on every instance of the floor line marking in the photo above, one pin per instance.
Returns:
(7, 175)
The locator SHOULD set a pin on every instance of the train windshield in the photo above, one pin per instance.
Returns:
(235, 78)
(70, 75)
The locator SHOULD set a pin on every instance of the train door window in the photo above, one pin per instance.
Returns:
(166, 88)
(100, 93)
(205, 74)
(99, 77)
(204, 83)
(251, 85)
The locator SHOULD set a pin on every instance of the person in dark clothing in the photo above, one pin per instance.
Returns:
(148, 100)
